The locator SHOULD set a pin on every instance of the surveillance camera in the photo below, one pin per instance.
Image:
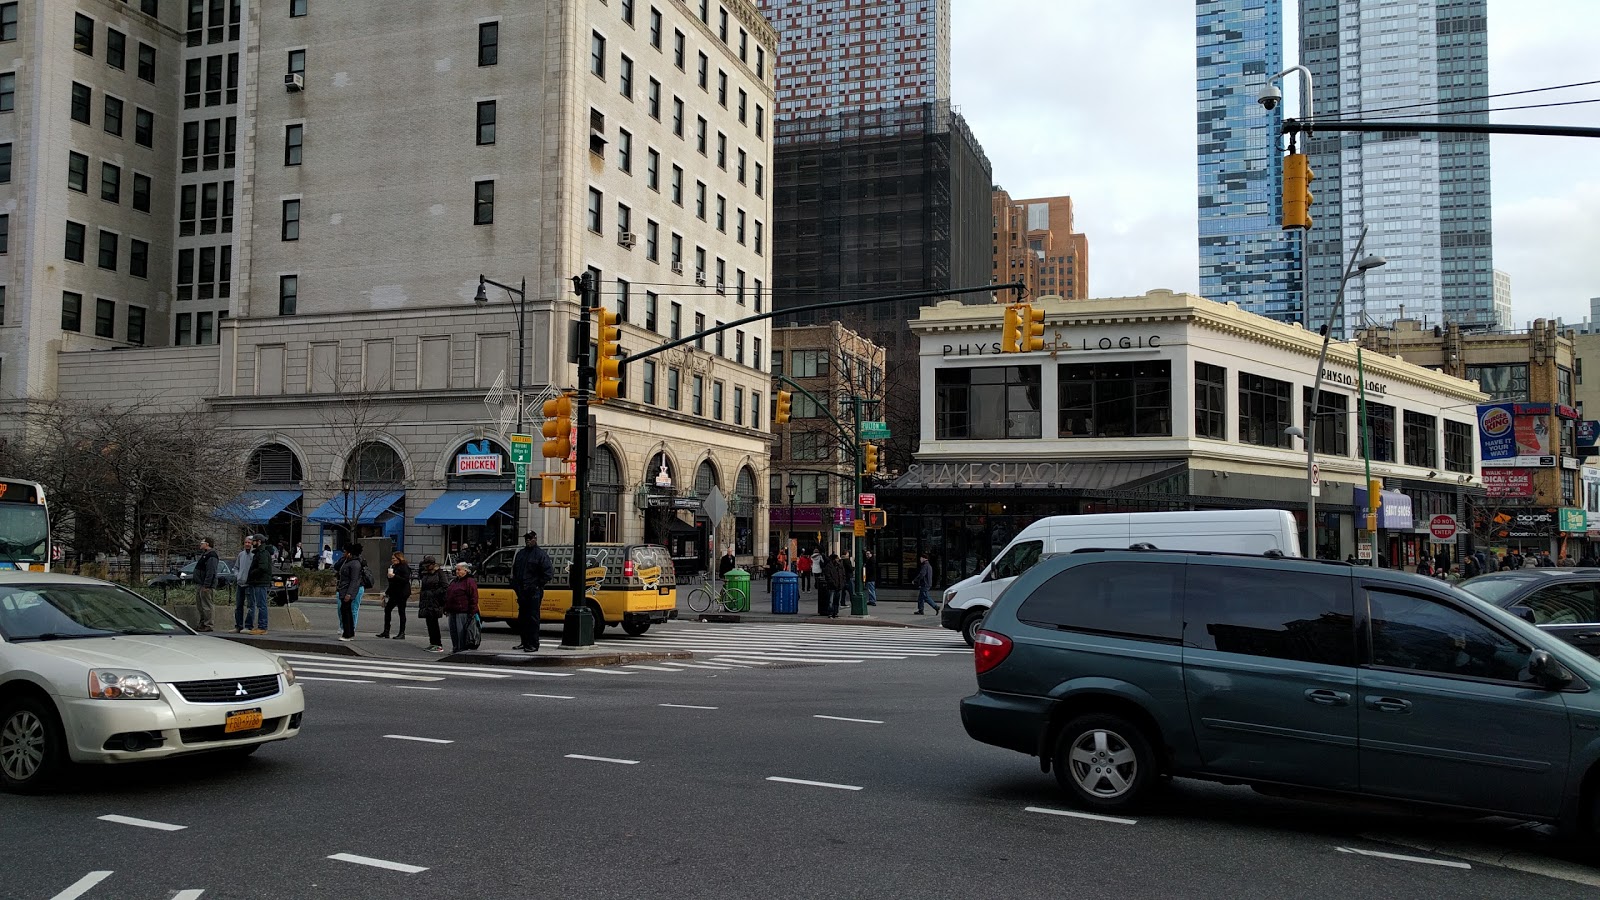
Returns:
(1270, 97)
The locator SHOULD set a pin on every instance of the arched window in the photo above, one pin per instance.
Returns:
(705, 478)
(744, 512)
(605, 491)
(374, 463)
(652, 473)
(274, 464)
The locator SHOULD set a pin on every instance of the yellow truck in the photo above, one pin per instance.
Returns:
(631, 585)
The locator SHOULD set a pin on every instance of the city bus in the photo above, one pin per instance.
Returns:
(24, 526)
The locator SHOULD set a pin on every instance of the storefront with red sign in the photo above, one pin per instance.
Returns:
(479, 506)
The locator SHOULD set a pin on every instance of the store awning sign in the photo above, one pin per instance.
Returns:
(1395, 511)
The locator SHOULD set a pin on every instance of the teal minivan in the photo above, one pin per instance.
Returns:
(1120, 668)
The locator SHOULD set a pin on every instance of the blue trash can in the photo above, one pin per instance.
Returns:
(785, 593)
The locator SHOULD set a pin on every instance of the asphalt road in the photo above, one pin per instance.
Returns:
(627, 787)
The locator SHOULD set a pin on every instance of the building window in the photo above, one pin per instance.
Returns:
(655, 28)
(1264, 411)
(652, 302)
(182, 333)
(1332, 422)
(697, 395)
(677, 49)
(5, 240)
(75, 241)
(722, 341)
(652, 241)
(722, 89)
(297, 8)
(677, 184)
(755, 410)
(82, 94)
(738, 231)
(738, 347)
(105, 318)
(1116, 399)
(138, 258)
(297, 62)
(596, 210)
(755, 354)
(704, 73)
(761, 119)
(202, 328)
(738, 406)
(1563, 385)
(8, 91)
(291, 220)
(759, 243)
(185, 274)
(8, 21)
(5, 163)
(1422, 448)
(988, 403)
(625, 75)
(483, 203)
(677, 251)
(625, 150)
(77, 172)
(761, 62)
(807, 364)
(675, 322)
(700, 202)
(116, 49)
(677, 117)
(1380, 431)
(622, 300)
(83, 34)
(672, 388)
(716, 400)
(107, 257)
(1501, 382)
(71, 311)
(113, 115)
(627, 11)
(597, 55)
(649, 382)
(293, 138)
(288, 294)
(147, 63)
(653, 96)
(652, 169)
(486, 118)
(141, 192)
(760, 179)
(722, 214)
(722, 151)
(136, 325)
(488, 43)
(699, 326)
(144, 128)
(1457, 447)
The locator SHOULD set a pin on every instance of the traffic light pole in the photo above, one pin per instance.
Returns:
(858, 596)
(577, 627)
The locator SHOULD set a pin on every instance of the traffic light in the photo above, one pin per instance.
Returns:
(1297, 196)
(785, 402)
(557, 428)
(876, 518)
(608, 369)
(1032, 339)
(1011, 336)
(870, 462)
(1374, 502)
(556, 488)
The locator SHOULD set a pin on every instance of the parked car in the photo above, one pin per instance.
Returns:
(1564, 602)
(285, 586)
(1118, 668)
(91, 672)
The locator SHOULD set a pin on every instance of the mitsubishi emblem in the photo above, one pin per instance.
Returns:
(239, 690)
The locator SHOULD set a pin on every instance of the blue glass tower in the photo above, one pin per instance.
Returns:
(1244, 255)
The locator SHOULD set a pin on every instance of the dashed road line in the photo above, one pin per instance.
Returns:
(364, 672)
(299, 677)
(653, 668)
(416, 687)
(378, 863)
(82, 885)
(190, 894)
(1074, 814)
(142, 823)
(696, 666)
(604, 671)
(847, 719)
(821, 784)
(683, 706)
(1498, 855)
(607, 759)
(551, 696)
(420, 740)
(1400, 857)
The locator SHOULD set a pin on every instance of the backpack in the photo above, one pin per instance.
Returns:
(366, 576)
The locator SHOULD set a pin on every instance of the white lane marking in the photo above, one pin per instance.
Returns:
(366, 673)
(696, 666)
(770, 658)
(299, 677)
(82, 885)
(604, 671)
(551, 696)
(744, 662)
(1080, 815)
(415, 687)
(378, 863)
(142, 823)
(420, 740)
(1493, 855)
(1403, 858)
(846, 719)
(683, 706)
(620, 762)
(653, 668)
(825, 784)
(190, 894)
(442, 667)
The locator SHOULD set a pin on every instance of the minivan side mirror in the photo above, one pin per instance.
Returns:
(1548, 671)
(1521, 612)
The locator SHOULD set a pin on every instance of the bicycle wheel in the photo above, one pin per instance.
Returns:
(699, 600)
(735, 600)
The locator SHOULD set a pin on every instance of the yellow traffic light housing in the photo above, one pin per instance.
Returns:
(608, 369)
(785, 405)
(557, 428)
(556, 489)
(1297, 196)
(1011, 334)
(1032, 326)
(870, 461)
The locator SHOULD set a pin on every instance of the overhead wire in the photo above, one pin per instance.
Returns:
(1383, 109)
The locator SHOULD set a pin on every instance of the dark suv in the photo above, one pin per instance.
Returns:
(1564, 602)
(1119, 667)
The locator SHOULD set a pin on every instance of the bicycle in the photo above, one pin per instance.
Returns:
(703, 596)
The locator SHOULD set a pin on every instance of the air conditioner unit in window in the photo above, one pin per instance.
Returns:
(700, 277)
(677, 267)
(627, 239)
(294, 82)
(721, 288)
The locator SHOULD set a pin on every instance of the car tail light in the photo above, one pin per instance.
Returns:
(294, 582)
(627, 569)
(989, 650)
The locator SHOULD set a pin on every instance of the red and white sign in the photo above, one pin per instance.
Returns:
(868, 500)
(1508, 482)
(468, 464)
(1443, 528)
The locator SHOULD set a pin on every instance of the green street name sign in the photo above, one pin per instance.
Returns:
(875, 431)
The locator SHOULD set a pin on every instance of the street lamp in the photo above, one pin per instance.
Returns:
(482, 299)
(792, 488)
(1309, 434)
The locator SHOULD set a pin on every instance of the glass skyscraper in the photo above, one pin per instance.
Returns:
(1244, 255)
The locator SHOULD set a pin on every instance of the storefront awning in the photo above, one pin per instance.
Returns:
(256, 507)
(463, 507)
(1064, 475)
(358, 507)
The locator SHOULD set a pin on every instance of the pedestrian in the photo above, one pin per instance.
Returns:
(349, 590)
(1545, 562)
(924, 583)
(430, 600)
(325, 561)
(817, 559)
(241, 594)
(396, 593)
(822, 578)
(205, 582)
(531, 570)
(1470, 567)
(461, 604)
(772, 566)
(299, 555)
(258, 580)
(1443, 563)
(803, 566)
(834, 579)
(847, 583)
(1425, 566)
(871, 573)
(726, 564)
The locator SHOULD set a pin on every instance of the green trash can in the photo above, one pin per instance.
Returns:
(737, 582)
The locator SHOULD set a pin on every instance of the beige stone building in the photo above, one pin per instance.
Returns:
(330, 180)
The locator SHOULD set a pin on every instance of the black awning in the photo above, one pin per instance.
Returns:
(1074, 476)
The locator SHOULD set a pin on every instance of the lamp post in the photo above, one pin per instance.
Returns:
(1310, 432)
(482, 299)
(790, 542)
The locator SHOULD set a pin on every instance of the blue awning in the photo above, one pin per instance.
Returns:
(463, 507)
(256, 507)
(359, 507)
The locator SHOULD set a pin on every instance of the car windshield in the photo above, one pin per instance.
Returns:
(1493, 589)
(24, 532)
(48, 612)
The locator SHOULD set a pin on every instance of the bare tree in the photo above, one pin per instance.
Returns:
(351, 426)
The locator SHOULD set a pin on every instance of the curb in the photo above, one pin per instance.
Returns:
(767, 618)
(545, 659)
(330, 646)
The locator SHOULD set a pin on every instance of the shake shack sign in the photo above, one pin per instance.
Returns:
(980, 474)
(1058, 342)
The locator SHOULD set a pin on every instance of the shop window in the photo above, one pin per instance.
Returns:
(1333, 422)
(987, 403)
(1116, 399)
(1265, 412)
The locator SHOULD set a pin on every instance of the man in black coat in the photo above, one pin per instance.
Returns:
(205, 582)
(530, 572)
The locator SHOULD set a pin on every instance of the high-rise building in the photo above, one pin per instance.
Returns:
(1502, 299)
(1245, 256)
(860, 54)
(1034, 243)
(1424, 197)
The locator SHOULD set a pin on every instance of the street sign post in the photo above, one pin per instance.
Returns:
(521, 456)
(1316, 480)
(875, 431)
(1442, 528)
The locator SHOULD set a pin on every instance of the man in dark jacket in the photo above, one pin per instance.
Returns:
(205, 582)
(530, 572)
(257, 580)
(726, 564)
(924, 584)
(871, 573)
(348, 590)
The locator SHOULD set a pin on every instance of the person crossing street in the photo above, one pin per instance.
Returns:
(924, 584)
(530, 572)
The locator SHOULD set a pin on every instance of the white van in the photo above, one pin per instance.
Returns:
(1230, 531)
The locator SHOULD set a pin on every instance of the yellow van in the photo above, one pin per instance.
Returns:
(631, 585)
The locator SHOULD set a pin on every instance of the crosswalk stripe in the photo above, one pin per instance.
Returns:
(697, 666)
(653, 668)
(604, 671)
(365, 673)
(770, 659)
(396, 666)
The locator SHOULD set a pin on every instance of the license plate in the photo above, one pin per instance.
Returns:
(663, 591)
(243, 720)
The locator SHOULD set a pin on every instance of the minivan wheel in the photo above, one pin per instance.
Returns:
(1104, 762)
(970, 625)
(32, 747)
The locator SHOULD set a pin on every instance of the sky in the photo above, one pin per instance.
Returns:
(1096, 99)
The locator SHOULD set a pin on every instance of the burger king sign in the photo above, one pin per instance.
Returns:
(1497, 436)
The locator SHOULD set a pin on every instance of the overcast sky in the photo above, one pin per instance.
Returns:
(1096, 99)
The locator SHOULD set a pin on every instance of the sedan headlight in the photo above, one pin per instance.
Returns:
(288, 673)
(122, 684)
